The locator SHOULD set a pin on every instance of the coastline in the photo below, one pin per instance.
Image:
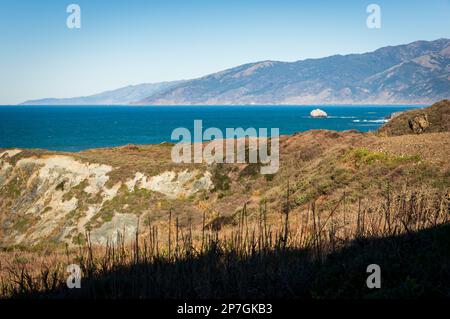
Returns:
(224, 105)
(78, 128)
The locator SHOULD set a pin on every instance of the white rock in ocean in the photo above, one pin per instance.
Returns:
(318, 113)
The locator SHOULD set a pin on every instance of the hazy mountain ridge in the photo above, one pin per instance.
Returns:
(121, 96)
(415, 73)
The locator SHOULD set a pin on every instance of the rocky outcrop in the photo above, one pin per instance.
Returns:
(433, 119)
(418, 124)
(122, 226)
(172, 184)
(318, 113)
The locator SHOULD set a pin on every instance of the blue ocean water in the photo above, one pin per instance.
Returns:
(75, 128)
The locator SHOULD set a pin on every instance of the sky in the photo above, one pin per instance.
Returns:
(129, 42)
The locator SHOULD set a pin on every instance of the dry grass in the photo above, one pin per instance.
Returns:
(254, 258)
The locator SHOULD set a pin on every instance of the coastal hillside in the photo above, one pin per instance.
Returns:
(415, 73)
(435, 118)
(56, 198)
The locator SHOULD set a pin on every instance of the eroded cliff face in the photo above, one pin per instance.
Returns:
(57, 198)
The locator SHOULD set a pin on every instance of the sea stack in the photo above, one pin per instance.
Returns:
(318, 113)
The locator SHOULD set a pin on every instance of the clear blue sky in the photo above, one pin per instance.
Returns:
(134, 41)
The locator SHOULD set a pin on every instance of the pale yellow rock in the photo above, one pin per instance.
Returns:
(318, 113)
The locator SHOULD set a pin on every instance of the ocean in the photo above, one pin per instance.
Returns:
(75, 128)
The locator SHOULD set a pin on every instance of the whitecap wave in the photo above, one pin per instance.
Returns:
(333, 117)
(342, 117)
(372, 121)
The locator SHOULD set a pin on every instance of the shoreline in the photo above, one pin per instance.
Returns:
(168, 143)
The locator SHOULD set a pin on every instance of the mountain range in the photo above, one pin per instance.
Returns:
(415, 73)
(121, 96)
